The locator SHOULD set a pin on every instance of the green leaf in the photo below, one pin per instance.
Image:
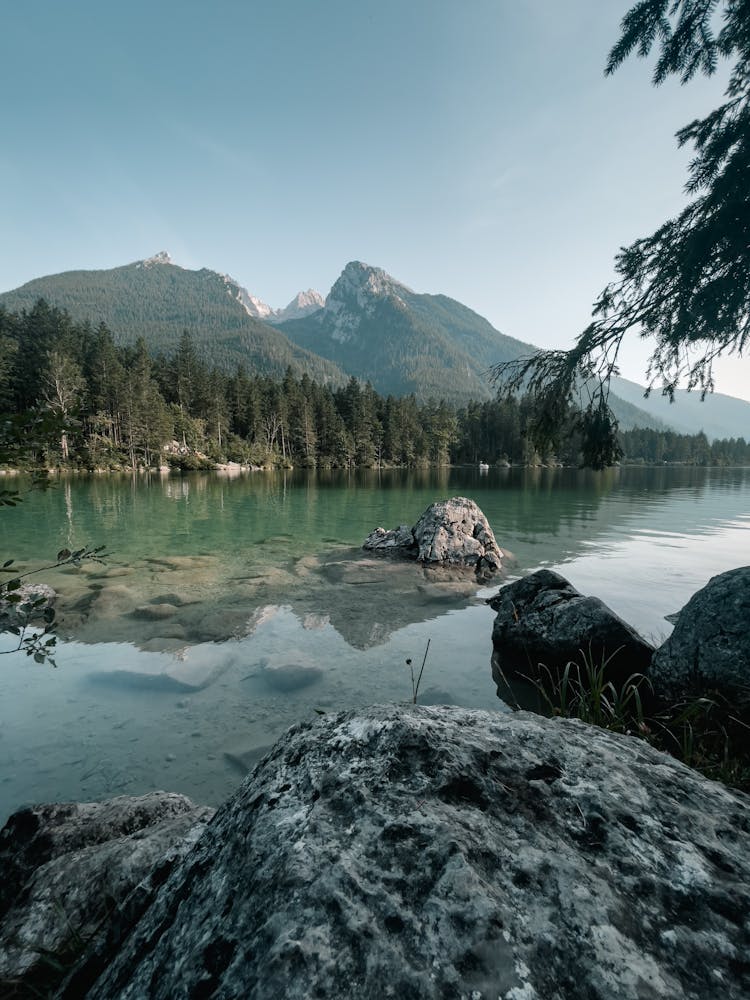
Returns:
(63, 554)
(8, 563)
(39, 657)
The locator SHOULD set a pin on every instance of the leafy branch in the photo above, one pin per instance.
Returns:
(29, 616)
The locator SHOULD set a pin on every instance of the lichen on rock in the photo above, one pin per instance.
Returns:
(449, 533)
(429, 852)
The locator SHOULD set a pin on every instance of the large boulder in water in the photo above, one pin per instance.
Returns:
(544, 622)
(450, 533)
(709, 649)
(440, 852)
(77, 873)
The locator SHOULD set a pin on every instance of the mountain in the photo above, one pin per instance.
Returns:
(156, 299)
(718, 416)
(301, 305)
(370, 325)
(378, 329)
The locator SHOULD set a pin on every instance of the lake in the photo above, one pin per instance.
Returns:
(231, 607)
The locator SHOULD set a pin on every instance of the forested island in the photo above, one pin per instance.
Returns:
(73, 398)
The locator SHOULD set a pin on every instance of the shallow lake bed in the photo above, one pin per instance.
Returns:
(226, 611)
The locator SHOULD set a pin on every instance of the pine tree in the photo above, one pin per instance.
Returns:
(688, 284)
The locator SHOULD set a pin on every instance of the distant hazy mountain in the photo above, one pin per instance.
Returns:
(301, 305)
(376, 328)
(718, 416)
(156, 299)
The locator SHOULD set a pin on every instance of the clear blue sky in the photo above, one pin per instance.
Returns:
(470, 147)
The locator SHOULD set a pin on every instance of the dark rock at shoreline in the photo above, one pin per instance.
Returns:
(451, 533)
(83, 872)
(709, 649)
(543, 620)
(433, 852)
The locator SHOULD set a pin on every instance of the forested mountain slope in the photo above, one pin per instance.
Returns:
(158, 301)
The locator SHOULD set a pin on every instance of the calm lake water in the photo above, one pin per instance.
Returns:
(231, 608)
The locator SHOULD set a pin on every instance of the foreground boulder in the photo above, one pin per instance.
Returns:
(449, 533)
(544, 622)
(77, 873)
(709, 649)
(439, 852)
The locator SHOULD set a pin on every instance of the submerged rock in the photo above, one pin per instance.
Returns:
(290, 671)
(543, 621)
(427, 853)
(451, 532)
(74, 872)
(34, 592)
(155, 612)
(709, 649)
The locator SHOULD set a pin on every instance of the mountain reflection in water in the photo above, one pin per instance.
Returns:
(227, 612)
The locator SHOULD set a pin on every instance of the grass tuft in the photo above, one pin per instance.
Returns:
(705, 732)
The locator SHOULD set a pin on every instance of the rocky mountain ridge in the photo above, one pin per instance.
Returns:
(370, 325)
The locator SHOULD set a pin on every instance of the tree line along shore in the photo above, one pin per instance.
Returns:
(71, 397)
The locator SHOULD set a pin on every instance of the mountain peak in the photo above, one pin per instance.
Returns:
(162, 257)
(359, 278)
(303, 304)
(308, 301)
(355, 294)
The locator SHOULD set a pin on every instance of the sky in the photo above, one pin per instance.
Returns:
(470, 147)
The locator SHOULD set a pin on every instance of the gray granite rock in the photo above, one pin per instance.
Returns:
(452, 533)
(709, 649)
(543, 619)
(75, 873)
(414, 852)
(398, 539)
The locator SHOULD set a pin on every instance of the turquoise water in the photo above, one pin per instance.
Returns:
(230, 608)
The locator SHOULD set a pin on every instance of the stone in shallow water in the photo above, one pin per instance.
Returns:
(543, 623)
(290, 671)
(448, 592)
(709, 649)
(155, 612)
(451, 532)
(116, 599)
(400, 538)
